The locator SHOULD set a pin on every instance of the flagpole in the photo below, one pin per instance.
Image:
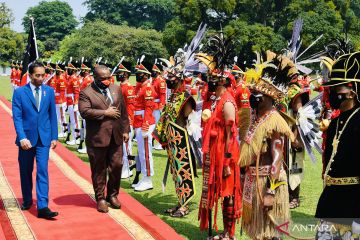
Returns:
(33, 29)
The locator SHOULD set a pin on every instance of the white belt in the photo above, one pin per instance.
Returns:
(70, 95)
(138, 113)
(157, 100)
(57, 94)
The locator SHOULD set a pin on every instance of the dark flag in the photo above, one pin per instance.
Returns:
(31, 53)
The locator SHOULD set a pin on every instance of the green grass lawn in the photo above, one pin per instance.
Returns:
(157, 201)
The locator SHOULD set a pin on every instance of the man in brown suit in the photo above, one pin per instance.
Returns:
(107, 125)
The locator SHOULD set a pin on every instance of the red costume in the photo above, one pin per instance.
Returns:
(13, 76)
(17, 77)
(215, 186)
(51, 82)
(128, 92)
(160, 92)
(60, 90)
(144, 101)
(87, 80)
(24, 79)
(242, 96)
(72, 90)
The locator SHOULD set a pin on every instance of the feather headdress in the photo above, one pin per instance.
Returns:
(271, 74)
(219, 54)
(184, 59)
(333, 51)
(293, 49)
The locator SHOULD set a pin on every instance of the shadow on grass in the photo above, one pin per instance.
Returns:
(159, 202)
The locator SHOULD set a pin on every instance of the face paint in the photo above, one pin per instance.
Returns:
(276, 157)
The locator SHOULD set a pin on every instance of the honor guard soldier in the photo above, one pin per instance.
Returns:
(159, 85)
(128, 92)
(242, 96)
(60, 98)
(72, 98)
(17, 75)
(50, 77)
(87, 79)
(144, 125)
(13, 75)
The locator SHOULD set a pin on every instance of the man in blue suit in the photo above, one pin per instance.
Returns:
(34, 115)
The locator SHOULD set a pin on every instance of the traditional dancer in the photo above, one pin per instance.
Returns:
(177, 123)
(265, 191)
(338, 206)
(221, 173)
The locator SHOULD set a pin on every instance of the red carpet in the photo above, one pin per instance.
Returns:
(78, 218)
(6, 231)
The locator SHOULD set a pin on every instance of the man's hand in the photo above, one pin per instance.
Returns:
(25, 144)
(112, 112)
(125, 137)
(53, 144)
(268, 201)
(226, 171)
(145, 127)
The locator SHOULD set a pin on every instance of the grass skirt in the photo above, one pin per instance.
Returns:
(255, 221)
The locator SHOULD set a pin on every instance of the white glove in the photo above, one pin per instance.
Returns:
(148, 132)
(63, 105)
(355, 227)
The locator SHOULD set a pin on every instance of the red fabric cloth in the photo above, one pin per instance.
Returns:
(214, 139)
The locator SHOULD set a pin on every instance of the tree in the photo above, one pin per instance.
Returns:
(6, 16)
(174, 35)
(136, 13)
(11, 45)
(53, 20)
(250, 38)
(100, 39)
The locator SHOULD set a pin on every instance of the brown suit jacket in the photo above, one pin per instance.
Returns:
(99, 129)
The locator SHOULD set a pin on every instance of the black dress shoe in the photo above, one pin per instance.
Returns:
(25, 206)
(46, 213)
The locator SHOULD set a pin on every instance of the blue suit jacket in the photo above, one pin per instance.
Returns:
(31, 123)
